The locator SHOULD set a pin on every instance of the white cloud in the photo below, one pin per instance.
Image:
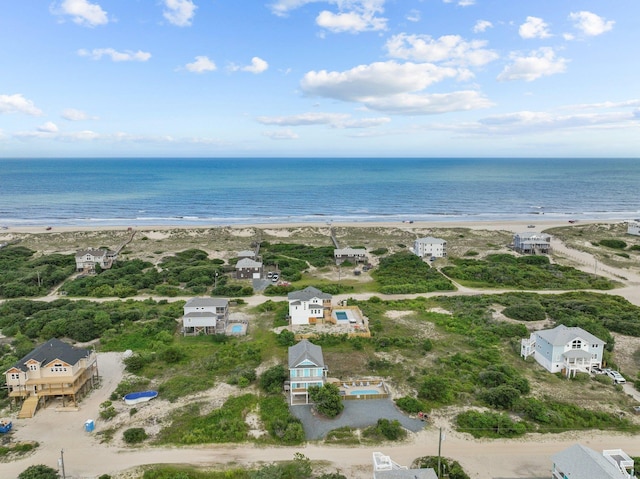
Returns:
(72, 114)
(449, 49)
(82, 12)
(179, 12)
(534, 27)
(352, 22)
(48, 127)
(481, 26)
(201, 65)
(116, 56)
(258, 65)
(281, 135)
(414, 15)
(590, 24)
(18, 104)
(462, 3)
(539, 63)
(334, 120)
(533, 122)
(392, 87)
(283, 7)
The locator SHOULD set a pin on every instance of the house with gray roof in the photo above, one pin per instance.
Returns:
(532, 243)
(205, 316)
(248, 268)
(633, 228)
(385, 468)
(355, 255)
(87, 259)
(430, 247)
(580, 462)
(53, 369)
(562, 348)
(306, 369)
(309, 306)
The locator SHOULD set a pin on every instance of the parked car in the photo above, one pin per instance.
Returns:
(597, 370)
(275, 277)
(616, 376)
(531, 226)
(269, 274)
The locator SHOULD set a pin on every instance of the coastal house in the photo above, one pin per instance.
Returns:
(205, 316)
(430, 247)
(248, 268)
(532, 243)
(247, 253)
(87, 259)
(385, 468)
(309, 306)
(580, 462)
(306, 368)
(571, 350)
(633, 228)
(353, 255)
(53, 369)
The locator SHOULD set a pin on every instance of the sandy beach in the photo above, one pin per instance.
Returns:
(86, 457)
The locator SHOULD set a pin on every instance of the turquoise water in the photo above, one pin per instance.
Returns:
(363, 392)
(236, 328)
(341, 315)
(150, 191)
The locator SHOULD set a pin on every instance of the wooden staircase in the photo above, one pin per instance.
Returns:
(29, 407)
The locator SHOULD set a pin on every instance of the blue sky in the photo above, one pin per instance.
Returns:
(416, 78)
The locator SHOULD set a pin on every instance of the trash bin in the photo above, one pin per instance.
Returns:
(89, 425)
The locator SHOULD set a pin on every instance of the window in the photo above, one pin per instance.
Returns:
(58, 368)
(33, 367)
(576, 344)
(15, 375)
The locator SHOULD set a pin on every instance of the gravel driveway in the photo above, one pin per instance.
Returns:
(356, 414)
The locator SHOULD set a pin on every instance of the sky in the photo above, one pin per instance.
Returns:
(316, 78)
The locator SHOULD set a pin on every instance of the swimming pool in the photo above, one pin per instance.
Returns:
(342, 315)
(236, 328)
(364, 392)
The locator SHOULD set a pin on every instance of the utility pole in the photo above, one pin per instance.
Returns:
(61, 463)
(439, 451)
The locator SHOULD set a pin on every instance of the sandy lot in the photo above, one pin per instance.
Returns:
(86, 457)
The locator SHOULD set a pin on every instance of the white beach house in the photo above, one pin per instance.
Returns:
(429, 246)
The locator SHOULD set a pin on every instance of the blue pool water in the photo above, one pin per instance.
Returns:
(341, 315)
(236, 328)
(363, 392)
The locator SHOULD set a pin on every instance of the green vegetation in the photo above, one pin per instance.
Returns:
(16, 450)
(613, 243)
(451, 469)
(405, 273)
(294, 259)
(326, 399)
(385, 430)
(521, 272)
(134, 435)
(22, 274)
(39, 471)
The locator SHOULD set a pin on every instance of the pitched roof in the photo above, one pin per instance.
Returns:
(92, 252)
(347, 251)
(53, 349)
(206, 302)
(248, 263)
(430, 240)
(580, 462)
(562, 335)
(246, 254)
(305, 350)
(307, 293)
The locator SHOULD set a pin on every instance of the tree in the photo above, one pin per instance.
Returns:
(39, 471)
(273, 379)
(327, 399)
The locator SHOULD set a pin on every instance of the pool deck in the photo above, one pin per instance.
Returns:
(237, 328)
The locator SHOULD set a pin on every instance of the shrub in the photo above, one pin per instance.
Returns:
(613, 243)
(411, 405)
(272, 380)
(39, 471)
(327, 399)
(134, 435)
(489, 424)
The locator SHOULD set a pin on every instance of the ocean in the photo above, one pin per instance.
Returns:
(137, 192)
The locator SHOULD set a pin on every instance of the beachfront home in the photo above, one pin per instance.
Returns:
(247, 253)
(581, 462)
(385, 468)
(633, 228)
(53, 369)
(532, 243)
(87, 259)
(247, 268)
(571, 350)
(205, 316)
(430, 247)
(309, 306)
(306, 368)
(353, 255)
